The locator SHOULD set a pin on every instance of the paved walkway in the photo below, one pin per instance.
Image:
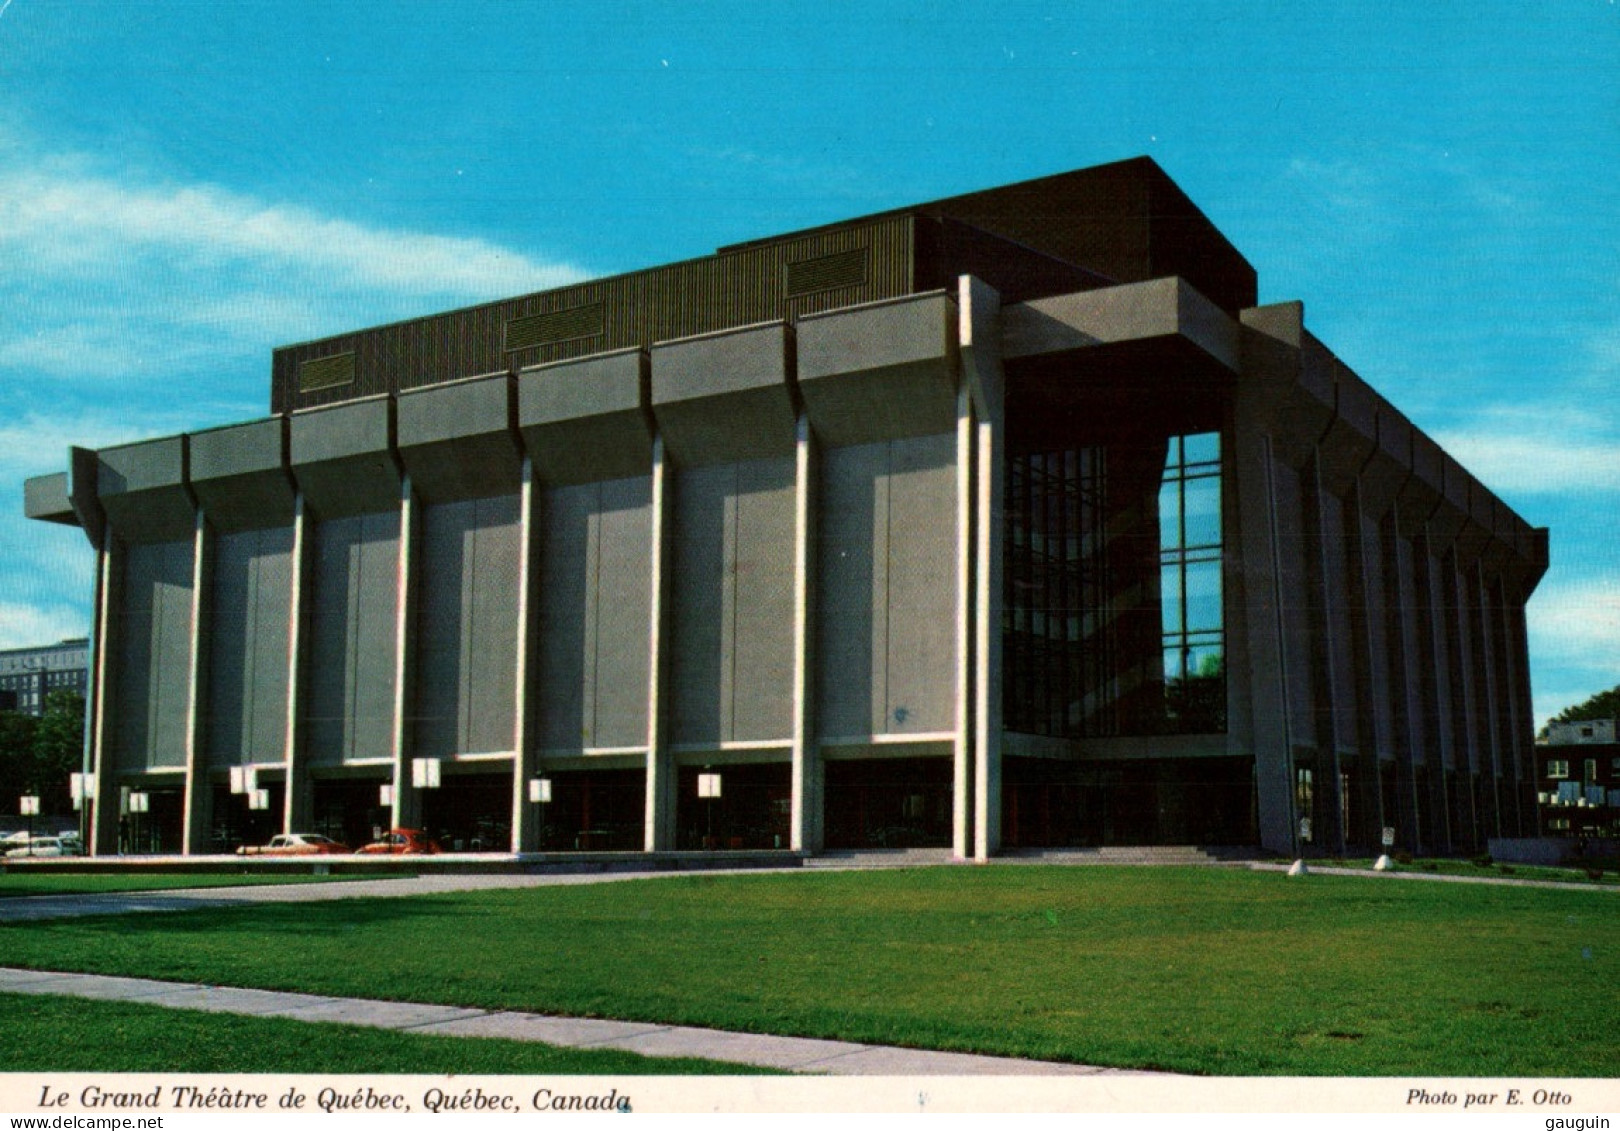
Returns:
(793, 1054)
(28, 908)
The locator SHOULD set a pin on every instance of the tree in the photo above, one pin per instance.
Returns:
(17, 733)
(59, 747)
(1603, 705)
(37, 755)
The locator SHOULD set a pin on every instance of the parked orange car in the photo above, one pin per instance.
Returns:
(402, 842)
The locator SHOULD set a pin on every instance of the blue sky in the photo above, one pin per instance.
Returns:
(184, 185)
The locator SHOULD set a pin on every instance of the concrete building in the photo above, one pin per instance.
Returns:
(28, 675)
(999, 521)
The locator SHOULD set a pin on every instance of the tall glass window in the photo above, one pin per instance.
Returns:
(1190, 584)
(1113, 617)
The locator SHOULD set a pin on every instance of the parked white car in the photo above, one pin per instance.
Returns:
(48, 846)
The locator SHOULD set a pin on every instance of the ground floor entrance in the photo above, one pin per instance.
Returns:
(1049, 803)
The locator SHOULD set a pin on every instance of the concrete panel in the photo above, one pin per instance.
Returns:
(881, 371)
(763, 573)
(565, 671)
(45, 497)
(1159, 308)
(701, 584)
(921, 556)
(142, 488)
(247, 651)
(153, 636)
(586, 420)
(725, 397)
(1390, 464)
(240, 475)
(1446, 524)
(732, 643)
(466, 629)
(851, 631)
(458, 441)
(343, 458)
(1420, 494)
(1352, 436)
(349, 686)
(493, 641)
(623, 541)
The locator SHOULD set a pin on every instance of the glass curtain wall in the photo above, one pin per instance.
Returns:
(1114, 620)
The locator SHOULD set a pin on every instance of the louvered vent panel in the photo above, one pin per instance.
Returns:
(828, 272)
(326, 372)
(555, 326)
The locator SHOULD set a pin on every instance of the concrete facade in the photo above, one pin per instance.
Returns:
(1006, 520)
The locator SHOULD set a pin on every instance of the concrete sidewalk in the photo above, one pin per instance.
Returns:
(792, 1054)
(28, 908)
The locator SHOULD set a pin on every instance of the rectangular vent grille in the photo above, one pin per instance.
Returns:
(828, 272)
(566, 325)
(326, 372)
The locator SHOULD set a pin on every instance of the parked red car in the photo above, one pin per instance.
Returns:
(402, 842)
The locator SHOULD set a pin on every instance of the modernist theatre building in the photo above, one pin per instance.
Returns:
(1002, 521)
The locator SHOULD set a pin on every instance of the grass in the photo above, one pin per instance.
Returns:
(1200, 970)
(14, 883)
(60, 1034)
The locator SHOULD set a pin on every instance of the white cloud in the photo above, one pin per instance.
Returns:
(65, 221)
(1534, 448)
(24, 626)
(104, 275)
(1574, 625)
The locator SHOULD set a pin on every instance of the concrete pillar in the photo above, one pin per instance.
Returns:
(962, 769)
(525, 761)
(198, 797)
(407, 808)
(979, 308)
(661, 795)
(808, 776)
(299, 810)
(104, 829)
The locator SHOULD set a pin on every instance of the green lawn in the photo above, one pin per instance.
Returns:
(15, 883)
(1208, 970)
(59, 1034)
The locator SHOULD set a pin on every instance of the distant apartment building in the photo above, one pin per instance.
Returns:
(29, 675)
(1579, 779)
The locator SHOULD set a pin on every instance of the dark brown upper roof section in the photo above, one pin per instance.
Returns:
(1127, 221)
(1120, 223)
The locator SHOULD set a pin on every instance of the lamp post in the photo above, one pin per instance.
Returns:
(425, 774)
(139, 802)
(28, 806)
(709, 787)
(540, 794)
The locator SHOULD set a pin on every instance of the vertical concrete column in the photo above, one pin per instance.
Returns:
(962, 770)
(1492, 710)
(1436, 684)
(808, 816)
(979, 308)
(407, 809)
(1411, 746)
(1465, 731)
(109, 571)
(661, 796)
(92, 694)
(299, 808)
(1517, 660)
(198, 797)
(1334, 730)
(525, 761)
